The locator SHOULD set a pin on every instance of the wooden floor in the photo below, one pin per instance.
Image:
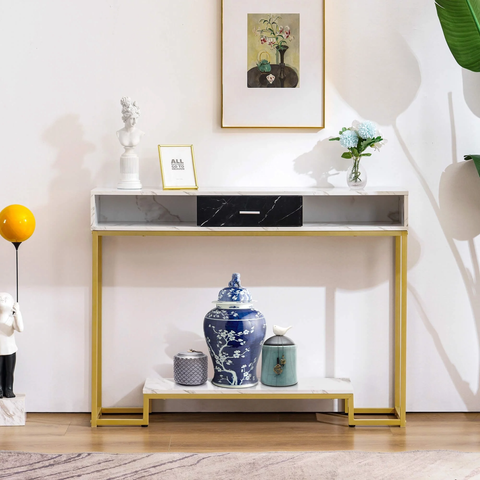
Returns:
(192, 432)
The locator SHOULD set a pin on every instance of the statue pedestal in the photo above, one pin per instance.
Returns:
(12, 411)
(129, 171)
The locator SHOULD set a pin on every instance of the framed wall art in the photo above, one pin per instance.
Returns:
(177, 165)
(273, 63)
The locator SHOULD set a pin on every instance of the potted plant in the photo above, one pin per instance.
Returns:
(460, 20)
(356, 139)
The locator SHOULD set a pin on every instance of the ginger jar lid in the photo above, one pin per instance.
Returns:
(234, 293)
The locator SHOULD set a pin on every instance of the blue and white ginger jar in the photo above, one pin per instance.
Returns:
(234, 331)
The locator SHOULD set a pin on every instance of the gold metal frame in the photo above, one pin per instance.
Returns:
(147, 400)
(319, 127)
(193, 164)
(398, 411)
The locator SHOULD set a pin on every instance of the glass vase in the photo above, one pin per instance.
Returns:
(356, 175)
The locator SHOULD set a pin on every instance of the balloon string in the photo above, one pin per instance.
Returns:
(16, 262)
(16, 245)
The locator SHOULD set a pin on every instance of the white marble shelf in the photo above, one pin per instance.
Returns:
(191, 227)
(304, 191)
(305, 386)
(323, 209)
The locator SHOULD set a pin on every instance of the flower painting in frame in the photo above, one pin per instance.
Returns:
(273, 63)
(273, 50)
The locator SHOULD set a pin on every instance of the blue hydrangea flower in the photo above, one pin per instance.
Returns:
(367, 130)
(348, 139)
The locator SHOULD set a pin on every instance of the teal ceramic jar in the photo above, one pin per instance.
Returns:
(279, 362)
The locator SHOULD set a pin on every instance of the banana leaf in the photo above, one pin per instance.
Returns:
(460, 20)
(476, 161)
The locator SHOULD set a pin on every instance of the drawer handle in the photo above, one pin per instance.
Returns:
(249, 212)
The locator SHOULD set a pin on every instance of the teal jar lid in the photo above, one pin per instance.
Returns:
(277, 340)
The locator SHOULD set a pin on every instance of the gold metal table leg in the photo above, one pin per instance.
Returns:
(96, 328)
(147, 402)
(401, 326)
(403, 336)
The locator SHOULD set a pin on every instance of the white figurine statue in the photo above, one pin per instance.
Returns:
(278, 330)
(129, 137)
(10, 320)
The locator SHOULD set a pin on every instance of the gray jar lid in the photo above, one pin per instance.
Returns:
(191, 354)
(279, 340)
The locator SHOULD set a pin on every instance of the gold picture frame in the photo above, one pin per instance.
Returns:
(177, 166)
(243, 95)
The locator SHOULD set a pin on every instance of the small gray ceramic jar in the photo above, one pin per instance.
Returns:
(190, 368)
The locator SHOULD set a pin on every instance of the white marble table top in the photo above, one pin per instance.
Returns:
(334, 191)
(305, 386)
(190, 227)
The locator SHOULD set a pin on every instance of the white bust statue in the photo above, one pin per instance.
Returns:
(129, 137)
(10, 320)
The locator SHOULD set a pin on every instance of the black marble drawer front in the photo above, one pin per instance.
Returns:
(249, 211)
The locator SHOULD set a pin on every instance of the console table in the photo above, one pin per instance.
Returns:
(326, 212)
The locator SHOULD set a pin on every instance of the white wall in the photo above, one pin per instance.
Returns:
(64, 68)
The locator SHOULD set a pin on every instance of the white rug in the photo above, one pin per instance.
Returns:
(421, 465)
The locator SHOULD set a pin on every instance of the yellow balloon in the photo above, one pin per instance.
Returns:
(17, 223)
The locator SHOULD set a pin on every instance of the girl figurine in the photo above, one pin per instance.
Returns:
(10, 320)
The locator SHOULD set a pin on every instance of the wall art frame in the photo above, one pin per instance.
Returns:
(273, 64)
(177, 166)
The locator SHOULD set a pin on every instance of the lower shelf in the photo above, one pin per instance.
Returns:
(307, 388)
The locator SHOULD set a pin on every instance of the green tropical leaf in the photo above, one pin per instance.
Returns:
(476, 161)
(364, 144)
(460, 20)
(346, 155)
(366, 155)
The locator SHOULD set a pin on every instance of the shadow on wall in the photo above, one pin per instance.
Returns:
(176, 263)
(62, 225)
(190, 339)
(322, 163)
(471, 87)
(64, 217)
(368, 87)
(379, 89)
(383, 90)
(459, 191)
(173, 262)
(369, 91)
